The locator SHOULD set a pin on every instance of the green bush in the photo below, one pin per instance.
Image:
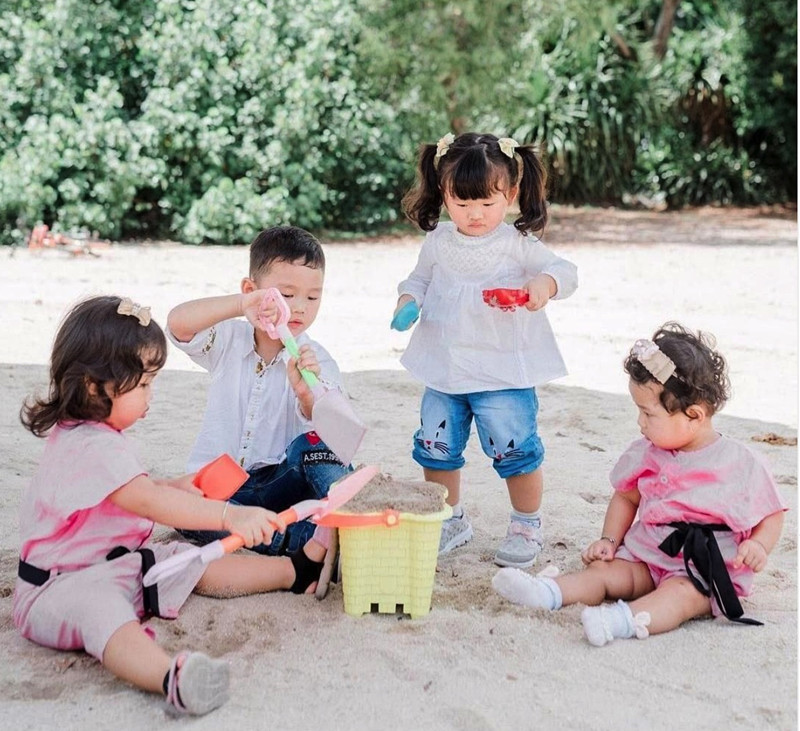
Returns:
(767, 123)
(588, 106)
(256, 107)
(206, 120)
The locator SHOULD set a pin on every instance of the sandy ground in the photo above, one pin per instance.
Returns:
(474, 662)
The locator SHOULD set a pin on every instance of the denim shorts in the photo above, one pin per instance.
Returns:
(505, 422)
(308, 471)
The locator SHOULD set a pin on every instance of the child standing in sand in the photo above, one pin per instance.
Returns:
(88, 515)
(478, 362)
(709, 512)
(259, 407)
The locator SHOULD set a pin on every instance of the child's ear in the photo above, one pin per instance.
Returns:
(512, 194)
(697, 412)
(248, 285)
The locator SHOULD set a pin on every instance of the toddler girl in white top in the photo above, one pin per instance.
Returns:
(693, 516)
(476, 361)
(88, 515)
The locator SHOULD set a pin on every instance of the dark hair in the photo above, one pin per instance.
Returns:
(284, 243)
(700, 376)
(475, 167)
(95, 347)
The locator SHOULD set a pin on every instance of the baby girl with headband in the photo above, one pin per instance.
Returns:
(694, 513)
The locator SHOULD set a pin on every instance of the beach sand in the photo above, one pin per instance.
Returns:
(475, 662)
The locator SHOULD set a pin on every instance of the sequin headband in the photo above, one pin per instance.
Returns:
(508, 146)
(658, 364)
(128, 307)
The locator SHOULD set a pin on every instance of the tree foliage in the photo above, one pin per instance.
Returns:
(206, 120)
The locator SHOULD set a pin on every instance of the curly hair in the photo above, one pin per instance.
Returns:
(96, 350)
(700, 377)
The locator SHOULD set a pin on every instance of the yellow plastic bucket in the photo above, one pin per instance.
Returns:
(389, 567)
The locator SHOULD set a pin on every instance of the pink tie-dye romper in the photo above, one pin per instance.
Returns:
(68, 526)
(725, 482)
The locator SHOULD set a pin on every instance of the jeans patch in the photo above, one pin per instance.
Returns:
(322, 456)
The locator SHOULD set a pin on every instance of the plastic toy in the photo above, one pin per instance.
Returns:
(221, 478)
(506, 299)
(338, 494)
(331, 415)
(388, 559)
(406, 316)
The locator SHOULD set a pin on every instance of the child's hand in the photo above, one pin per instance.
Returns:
(184, 482)
(602, 550)
(540, 289)
(307, 361)
(257, 310)
(405, 314)
(254, 525)
(402, 301)
(751, 553)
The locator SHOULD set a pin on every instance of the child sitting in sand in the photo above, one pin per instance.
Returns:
(259, 407)
(480, 362)
(88, 515)
(709, 512)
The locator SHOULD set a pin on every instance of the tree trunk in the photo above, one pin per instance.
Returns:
(666, 19)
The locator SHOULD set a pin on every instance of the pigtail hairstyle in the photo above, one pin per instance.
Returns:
(423, 203)
(532, 191)
(474, 166)
(700, 376)
(97, 352)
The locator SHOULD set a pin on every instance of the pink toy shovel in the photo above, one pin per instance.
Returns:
(338, 494)
(331, 415)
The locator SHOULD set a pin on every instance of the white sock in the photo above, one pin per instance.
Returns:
(607, 622)
(538, 592)
(458, 511)
(534, 518)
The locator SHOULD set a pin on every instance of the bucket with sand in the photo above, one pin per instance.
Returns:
(389, 543)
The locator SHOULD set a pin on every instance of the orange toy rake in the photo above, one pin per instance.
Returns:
(340, 492)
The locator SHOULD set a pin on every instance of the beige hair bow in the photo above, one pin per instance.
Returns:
(508, 146)
(128, 307)
(659, 365)
(442, 146)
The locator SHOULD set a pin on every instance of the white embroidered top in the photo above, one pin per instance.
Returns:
(252, 412)
(460, 344)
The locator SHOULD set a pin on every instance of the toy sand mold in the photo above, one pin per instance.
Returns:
(389, 543)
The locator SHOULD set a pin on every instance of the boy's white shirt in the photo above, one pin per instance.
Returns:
(251, 412)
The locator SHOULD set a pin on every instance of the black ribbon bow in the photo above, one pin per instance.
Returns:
(699, 545)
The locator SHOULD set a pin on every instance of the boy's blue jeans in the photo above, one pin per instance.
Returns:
(308, 471)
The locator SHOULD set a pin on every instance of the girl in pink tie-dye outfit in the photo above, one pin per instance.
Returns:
(693, 516)
(87, 518)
